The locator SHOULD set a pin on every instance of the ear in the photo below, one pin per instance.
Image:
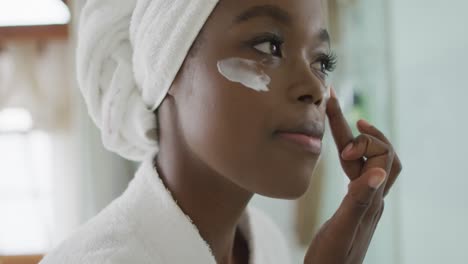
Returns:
(173, 90)
(175, 86)
(184, 77)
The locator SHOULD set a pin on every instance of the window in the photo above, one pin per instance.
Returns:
(25, 185)
(33, 12)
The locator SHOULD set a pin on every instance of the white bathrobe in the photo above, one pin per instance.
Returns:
(145, 225)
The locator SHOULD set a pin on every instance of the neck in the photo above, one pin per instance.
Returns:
(214, 204)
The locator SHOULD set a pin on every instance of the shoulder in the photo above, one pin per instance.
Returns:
(107, 238)
(117, 254)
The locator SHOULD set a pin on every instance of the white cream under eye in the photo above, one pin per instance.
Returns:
(244, 71)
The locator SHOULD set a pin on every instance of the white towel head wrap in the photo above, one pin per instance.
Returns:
(129, 52)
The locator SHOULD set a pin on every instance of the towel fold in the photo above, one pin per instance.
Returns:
(129, 52)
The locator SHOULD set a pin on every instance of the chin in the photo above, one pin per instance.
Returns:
(292, 193)
(291, 190)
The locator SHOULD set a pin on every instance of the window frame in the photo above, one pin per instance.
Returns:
(41, 32)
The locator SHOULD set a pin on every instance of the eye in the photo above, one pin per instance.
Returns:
(271, 45)
(269, 48)
(325, 63)
(320, 66)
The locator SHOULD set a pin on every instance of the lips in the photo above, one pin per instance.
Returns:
(306, 136)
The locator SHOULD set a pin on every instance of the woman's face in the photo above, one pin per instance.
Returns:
(253, 92)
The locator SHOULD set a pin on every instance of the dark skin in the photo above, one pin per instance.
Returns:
(220, 142)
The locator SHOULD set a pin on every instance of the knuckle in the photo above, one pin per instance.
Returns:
(367, 139)
(388, 151)
(391, 152)
(399, 168)
(390, 157)
(363, 140)
(396, 167)
(387, 147)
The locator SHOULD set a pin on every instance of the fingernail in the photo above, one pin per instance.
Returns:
(347, 150)
(365, 123)
(377, 180)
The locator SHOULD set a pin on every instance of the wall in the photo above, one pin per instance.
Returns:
(429, 42)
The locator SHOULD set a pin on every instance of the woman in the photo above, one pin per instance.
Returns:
(239, 91)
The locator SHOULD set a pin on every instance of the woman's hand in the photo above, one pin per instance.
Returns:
(372, 166)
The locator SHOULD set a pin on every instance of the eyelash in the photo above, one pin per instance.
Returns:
(328, 60)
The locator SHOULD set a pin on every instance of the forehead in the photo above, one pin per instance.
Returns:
(306, 16)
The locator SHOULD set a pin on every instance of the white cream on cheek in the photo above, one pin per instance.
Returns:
(244, 71)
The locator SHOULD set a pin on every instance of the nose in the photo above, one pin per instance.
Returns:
(307, 87)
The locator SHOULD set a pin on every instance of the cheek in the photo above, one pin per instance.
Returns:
(229, 127)
(222, 122)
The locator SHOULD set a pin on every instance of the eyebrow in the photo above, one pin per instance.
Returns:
(271, 11)
(275, 13)
(324, 36)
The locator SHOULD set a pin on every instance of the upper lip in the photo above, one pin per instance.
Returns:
(309, 128)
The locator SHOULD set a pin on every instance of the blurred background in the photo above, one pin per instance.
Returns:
(402, 65)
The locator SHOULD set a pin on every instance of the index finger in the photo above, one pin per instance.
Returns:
(342, 134)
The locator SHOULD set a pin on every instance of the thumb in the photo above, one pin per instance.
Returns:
(361, 193)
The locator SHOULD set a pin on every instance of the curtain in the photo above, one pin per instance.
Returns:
(39, 76)
(34, 76)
